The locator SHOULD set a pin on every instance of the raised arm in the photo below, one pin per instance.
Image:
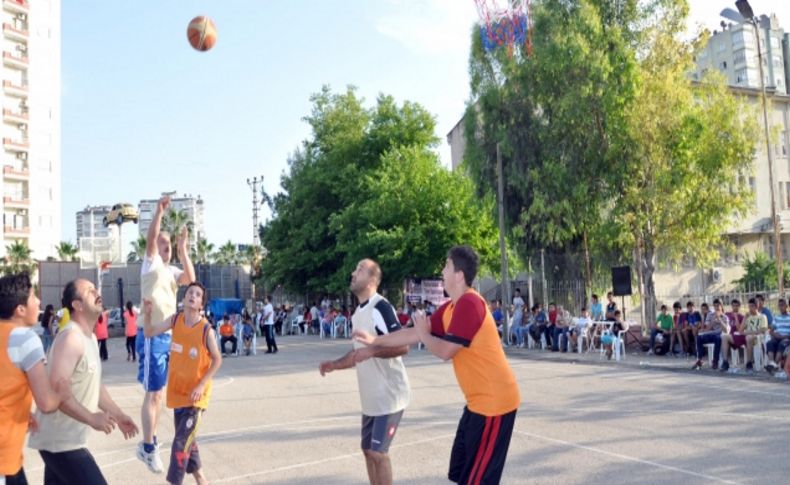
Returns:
(151, 249)
(188, 276)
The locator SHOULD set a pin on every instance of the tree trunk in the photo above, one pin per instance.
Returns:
(648, 269)
(587, 270)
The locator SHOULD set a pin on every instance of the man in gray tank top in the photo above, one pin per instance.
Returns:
(74, 356)
(383, 384)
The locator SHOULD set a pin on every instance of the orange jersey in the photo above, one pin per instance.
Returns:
(482, 370)
(15, 401)
(189, 362)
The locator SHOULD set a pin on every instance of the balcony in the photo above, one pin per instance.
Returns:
(15, 90)
(13, 173)
(16, 202)
(16, 62)
(16, 146)
(16, 232)
(16, 6)
(10, 116)
(13, 33)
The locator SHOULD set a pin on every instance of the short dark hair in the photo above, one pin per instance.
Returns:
(70, 295)
(199, 285)
(704, 305)
(735, 301)
(14, 291)
(717, 302)
(690, 303)
(617, 313)
(676, 305)
(760, 296)
(663, 307)
(518, 290)
(595, 296)
(466, 260)
(782, 301)
(752, 301)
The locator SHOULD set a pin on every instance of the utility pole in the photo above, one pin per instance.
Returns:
(253, 184)
(503, 248)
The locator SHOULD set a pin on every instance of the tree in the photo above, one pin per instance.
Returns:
(174, 222)
(760, 274)
(227, 254)
(18, 259)
(66, 251)
(408, 213)
(324, 178)
(138, 250)
(201, 254)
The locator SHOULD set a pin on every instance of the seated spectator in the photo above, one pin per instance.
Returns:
(780, 336)
(562, 324)
(247, 331)
(403, 316)
(596, 309)
(539, 323)
(744, 334)
(611, 307)
(340, 321)
(580, 328)
(549, 332)
(691, 327)
(496, 312)
(663, 327)
(716, 324)
(677, 333)
(609, 335)
(227, 333)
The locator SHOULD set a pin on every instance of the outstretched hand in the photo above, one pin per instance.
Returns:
(183, 238)
(163, 204)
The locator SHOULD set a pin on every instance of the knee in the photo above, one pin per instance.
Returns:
(375, 456)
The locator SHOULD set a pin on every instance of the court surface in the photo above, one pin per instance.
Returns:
(274, 419)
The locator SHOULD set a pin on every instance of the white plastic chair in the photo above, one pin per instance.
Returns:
(760, 351)
(619, 345)
(240, 341)
(295, 328)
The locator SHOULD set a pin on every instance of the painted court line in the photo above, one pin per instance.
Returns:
(625, 457)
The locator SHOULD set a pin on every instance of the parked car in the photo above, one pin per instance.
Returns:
(121, 213)
(114, 321)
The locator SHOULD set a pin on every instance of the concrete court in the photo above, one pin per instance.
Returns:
(273, 419)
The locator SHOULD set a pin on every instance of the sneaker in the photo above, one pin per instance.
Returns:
(725, 366)
(650, 352)
(715, 366)
(771, 367)
(749, 367)
(697, 365)
(781, 375)
(151, 460)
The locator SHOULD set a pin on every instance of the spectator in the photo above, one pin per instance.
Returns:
(326, 321)
(47, 322)
(314, 319)
(611, 307)
(100, 329)
(227, 333)
(678, 324)
(549, 332)
(540, 323)
(581, 326)
(403, 316)
(744, 334)
(691, 327)
(780, 335)
(130, 332)
(716, 324)
(608, 338)
(247, 331)
(341, 320)
(518, 317)
(663, 327)
(268, 325)
(764, 309)
(596, 309)
(562, 325)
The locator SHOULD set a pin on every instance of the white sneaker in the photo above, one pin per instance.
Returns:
(781, 375)
(151, 460)
(650, 352)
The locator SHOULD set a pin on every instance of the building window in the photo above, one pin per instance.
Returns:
(741, 76)
(723, 65)
(739, 57)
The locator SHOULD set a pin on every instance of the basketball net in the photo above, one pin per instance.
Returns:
(509, 26)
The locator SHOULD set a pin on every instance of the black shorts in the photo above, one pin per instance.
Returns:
(378, 431)
(75, 466)
(480, 448)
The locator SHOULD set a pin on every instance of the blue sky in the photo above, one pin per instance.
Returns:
(144, 113)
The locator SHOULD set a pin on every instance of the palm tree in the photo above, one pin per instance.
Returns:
(173, 222)
(202, 252)
(66, 251)
(18, 259)
(227, 254)
(138, 250)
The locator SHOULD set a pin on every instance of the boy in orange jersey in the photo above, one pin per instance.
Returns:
(194, 359)
(22, 374)
(464, 330)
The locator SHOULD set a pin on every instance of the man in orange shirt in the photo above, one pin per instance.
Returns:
(227, 332)
(464, 330)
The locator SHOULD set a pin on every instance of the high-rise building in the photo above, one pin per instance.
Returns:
(31, 125)
(192, 206)
(92, 216)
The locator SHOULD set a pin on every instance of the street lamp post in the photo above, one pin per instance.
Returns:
(746, 14)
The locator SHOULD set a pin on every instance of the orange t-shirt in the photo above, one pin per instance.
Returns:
(226, 329)
(131, 323)
(189, 362)
(15, 401)
(101, 327)
(482, 370)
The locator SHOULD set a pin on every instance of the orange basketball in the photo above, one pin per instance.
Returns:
(202, 33)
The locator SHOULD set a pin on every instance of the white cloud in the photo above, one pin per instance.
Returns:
(430, 26)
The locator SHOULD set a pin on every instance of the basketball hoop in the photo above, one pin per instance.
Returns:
(104, 267)
(509, 26)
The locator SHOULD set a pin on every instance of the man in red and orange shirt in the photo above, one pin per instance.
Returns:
(464, 330)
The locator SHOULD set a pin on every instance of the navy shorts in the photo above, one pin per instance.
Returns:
(153, 355)
(480, 447)
(378, 431)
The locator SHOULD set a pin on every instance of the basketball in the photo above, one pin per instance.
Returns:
(202, 33)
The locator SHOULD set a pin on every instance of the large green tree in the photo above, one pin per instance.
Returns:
(18, 259)
(335, 184)
(66, 251)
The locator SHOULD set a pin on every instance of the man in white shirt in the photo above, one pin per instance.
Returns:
(159, 281)
(268, 323)
(383, 384)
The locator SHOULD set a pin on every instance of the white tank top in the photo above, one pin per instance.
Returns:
(57, 431)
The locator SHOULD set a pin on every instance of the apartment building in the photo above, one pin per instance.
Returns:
(192, 206)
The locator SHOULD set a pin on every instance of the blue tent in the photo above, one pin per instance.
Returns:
(220, 306)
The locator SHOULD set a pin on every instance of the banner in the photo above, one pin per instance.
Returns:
(421, 290)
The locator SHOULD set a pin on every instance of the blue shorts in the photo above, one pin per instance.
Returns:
(153, 355)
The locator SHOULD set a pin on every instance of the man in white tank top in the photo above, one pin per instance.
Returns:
(63, 435)
(383, 384)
